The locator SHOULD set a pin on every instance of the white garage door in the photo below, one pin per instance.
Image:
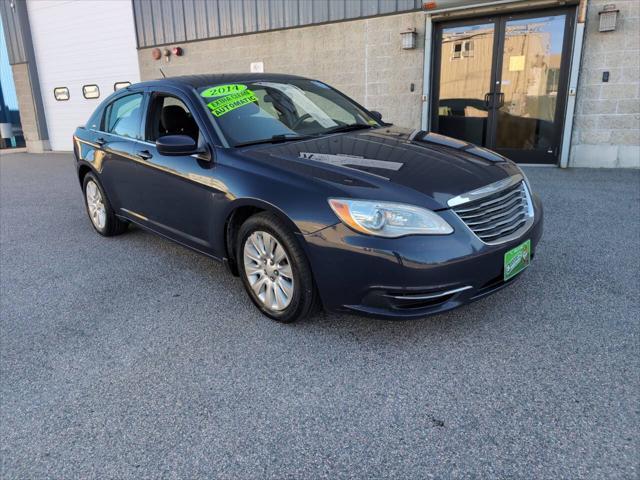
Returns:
(80, 43)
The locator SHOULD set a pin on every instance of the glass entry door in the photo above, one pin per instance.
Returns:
(466, 62)
(500, 83)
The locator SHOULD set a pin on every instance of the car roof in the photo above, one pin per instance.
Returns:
(199, 81)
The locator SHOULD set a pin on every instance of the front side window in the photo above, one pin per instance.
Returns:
(170, 116)
(252, 111)
(122, 117)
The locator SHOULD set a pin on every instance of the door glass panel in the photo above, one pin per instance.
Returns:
(465, 80)
(527, 101)
(123, 116)
(170, 116)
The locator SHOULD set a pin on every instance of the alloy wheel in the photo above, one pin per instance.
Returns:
(95, 204)
(268, 270)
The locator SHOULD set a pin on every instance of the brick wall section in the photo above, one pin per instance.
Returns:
(362, 58)
(607, 120)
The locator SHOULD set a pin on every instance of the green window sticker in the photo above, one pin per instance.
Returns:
(230, 102)
(223, 90)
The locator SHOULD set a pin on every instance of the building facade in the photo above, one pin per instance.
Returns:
(540, 81)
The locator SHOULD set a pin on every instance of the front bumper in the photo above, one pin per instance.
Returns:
(413, 276)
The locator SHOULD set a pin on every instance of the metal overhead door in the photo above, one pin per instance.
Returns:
(80, 43)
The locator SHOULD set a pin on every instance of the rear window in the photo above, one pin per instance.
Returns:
(122, 117)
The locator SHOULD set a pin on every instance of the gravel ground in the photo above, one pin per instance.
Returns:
(133, 357)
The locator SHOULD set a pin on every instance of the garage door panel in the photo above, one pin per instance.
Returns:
(80, 43)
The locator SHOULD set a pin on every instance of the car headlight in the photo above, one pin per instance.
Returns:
(387, 219)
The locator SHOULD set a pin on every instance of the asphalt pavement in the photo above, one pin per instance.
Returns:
(132, 357)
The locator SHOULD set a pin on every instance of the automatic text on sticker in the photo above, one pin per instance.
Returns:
(230, 102)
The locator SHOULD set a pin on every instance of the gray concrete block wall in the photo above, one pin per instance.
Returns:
(362, 58)
(28, 117)
(607, 118)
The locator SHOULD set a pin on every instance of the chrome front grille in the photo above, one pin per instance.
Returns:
(496, 213)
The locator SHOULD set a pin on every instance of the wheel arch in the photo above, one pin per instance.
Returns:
(239, 212)
(83, 169)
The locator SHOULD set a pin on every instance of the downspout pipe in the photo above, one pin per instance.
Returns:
(573, 83)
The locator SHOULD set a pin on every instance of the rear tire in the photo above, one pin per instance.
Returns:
(274, 269)
(102, 217)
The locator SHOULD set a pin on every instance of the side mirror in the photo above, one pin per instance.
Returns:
(376, 115)
(174, 145)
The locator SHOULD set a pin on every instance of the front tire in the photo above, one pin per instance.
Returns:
(274, 269)
(102, 217)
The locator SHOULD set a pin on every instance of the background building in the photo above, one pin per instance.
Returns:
(536, 80)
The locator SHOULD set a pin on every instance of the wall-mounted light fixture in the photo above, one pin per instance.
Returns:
(409, 38)
(608, 18)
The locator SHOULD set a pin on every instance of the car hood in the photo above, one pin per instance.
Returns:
(389, 161)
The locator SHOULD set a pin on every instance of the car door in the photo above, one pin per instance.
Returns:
(118, 134)
(176, 193)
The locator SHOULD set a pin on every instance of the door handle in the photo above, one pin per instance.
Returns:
(500, 99)
(145, 154)
(487, 100)
(100, 142)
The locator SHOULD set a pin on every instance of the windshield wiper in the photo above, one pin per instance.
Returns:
(347, 128)
(273, 139)
(288, 138)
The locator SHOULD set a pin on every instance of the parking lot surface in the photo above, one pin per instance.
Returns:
(132, 357)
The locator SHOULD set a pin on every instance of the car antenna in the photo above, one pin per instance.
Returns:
(163, 75)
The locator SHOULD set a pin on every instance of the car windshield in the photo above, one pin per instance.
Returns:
(257, 111)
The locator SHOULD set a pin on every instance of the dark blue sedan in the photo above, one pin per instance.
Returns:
(307, 196)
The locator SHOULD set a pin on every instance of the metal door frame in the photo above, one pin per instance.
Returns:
(431, 89)
(437, 58)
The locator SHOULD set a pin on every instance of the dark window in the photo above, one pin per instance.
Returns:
(170, 116)
(463, 49)
(119, 85)
(61, 94)
(553, 79)
(467, 48)
(123, 116)
(90, 91)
